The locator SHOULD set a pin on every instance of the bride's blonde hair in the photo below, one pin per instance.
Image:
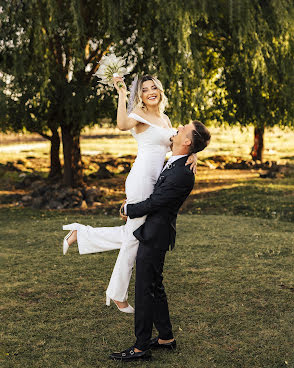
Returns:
(138, 102)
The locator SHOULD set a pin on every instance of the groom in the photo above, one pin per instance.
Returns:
(156, 236)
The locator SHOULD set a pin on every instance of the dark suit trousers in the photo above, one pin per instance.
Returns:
(150, 299)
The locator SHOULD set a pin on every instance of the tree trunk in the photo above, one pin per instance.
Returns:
(55, 166)
(257, 149)
(72, 168)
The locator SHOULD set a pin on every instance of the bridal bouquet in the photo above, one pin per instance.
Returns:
(111, 66)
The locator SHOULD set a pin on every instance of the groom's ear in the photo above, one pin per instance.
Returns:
(187, 142)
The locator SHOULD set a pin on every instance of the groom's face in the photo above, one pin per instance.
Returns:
(184, 136)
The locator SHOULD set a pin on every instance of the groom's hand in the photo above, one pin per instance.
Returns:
(123, 210)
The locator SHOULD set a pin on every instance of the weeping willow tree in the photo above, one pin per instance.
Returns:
(210, 56)
(259, 76)
(228, 61)
(49, 53)
(51, 49)
(251, 59)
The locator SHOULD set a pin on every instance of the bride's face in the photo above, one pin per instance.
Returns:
(150, 94)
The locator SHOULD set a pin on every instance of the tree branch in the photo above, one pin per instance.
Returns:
(92, 55)
(96, 66)
(46, 136)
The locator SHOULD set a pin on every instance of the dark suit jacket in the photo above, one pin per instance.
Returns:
(172, 188)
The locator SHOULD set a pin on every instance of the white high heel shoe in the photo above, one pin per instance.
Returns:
(65, 243)
(128, 309)
(72, 228)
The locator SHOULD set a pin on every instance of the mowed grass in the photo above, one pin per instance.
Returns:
(265, 198)
(229, 282)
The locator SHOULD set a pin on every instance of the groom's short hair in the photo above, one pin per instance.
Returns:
(200, 137)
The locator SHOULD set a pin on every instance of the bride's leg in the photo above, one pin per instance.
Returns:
(118, 286)
(98, 239)
(72, 238)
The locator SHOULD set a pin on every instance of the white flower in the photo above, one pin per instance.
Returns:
(110, 65)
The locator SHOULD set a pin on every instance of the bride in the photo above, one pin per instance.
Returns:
(152, 130)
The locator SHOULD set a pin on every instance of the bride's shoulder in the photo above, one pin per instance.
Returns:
(138, 111)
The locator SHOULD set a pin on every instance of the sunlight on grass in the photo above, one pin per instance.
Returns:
(251, 198)
(225, 141)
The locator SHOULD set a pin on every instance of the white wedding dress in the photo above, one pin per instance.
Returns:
(153, 144)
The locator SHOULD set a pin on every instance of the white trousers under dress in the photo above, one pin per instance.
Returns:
(101, 239)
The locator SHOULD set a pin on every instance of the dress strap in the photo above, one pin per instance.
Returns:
(139, 118)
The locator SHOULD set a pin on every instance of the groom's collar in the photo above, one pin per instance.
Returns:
(173, 161)
(176, 158)
(179, 160)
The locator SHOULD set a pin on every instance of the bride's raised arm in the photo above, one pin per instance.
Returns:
(123, 121)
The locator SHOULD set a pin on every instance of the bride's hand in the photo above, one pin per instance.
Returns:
(119, 84)
(192, 160)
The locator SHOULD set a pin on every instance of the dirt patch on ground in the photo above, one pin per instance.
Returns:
(24, 184)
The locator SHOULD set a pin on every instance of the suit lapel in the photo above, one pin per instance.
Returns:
(180, 162)
(170, 171)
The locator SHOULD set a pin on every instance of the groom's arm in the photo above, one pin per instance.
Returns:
(173, 188)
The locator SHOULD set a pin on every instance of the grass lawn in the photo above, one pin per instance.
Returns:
(229, 281)
(266, 198)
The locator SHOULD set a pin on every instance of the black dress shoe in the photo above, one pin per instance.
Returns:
(154, 344)
(130, 355)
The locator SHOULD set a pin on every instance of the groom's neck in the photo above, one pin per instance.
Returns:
(179, 151)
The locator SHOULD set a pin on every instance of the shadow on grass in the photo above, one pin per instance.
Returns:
(291, 158)
(271, 200)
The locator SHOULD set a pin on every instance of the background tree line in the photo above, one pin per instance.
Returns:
(226, 61)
